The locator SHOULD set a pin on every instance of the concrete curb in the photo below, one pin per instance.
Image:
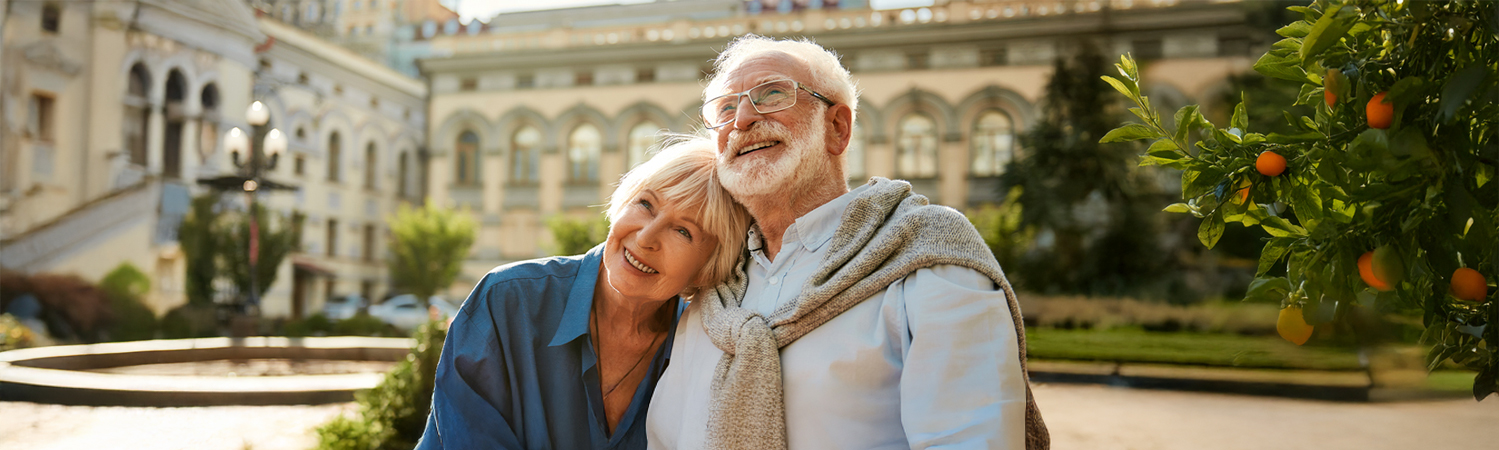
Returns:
(59, 374)
(1346, 386)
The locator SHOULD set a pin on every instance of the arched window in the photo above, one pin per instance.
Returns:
(525, 156)
(370, 166)
(403, 170)
(993, 144)
(583, 147)
(171, 150)
(468, 158)
(855, 155)
(137, 114)
(208, 122)
(916, 147)
(642, 137)
(334, 159)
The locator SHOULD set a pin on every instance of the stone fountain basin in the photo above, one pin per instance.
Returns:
(100, 375)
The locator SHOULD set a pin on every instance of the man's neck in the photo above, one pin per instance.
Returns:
(775, 213)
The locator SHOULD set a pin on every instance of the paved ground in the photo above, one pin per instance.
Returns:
(1080, 417)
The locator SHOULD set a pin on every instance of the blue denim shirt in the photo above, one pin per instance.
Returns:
(518, 370)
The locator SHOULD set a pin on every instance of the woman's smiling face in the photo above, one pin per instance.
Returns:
(655, 249)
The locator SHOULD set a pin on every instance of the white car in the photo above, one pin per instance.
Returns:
(406, 313)
(344, 307)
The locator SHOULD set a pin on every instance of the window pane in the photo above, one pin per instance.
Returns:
(468, 158)
(642, 137)
(334, 161)
(916, 155)
(993, 144)
(525, 156)
(583, 148)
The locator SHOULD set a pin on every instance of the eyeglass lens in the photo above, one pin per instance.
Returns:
(766, 98)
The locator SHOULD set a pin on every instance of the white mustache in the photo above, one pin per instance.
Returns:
(759, 132)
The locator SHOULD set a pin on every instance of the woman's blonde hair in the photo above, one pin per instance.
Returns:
(684, 172)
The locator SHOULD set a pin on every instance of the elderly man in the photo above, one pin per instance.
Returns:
(862, 319)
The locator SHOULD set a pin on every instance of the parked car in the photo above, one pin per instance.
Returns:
(406, 313)
(344, 306)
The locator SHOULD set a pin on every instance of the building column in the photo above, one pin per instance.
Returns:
(155, 140)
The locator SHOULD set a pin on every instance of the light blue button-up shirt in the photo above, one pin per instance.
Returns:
(518, 370)
(930, 362)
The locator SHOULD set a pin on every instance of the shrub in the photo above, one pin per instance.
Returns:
(189, 321)
(125, 285)
(314, 325)
(577, 236)
(13, 334)
(1107, 313)
(362, 325)
(393, 414)
(72, 307)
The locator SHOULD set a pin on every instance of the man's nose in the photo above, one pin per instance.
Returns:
(745, 115)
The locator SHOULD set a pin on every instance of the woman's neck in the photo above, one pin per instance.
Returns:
(618, 314)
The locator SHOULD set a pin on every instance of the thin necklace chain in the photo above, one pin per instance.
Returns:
(598, 343)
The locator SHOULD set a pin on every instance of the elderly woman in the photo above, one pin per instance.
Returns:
(564, 352)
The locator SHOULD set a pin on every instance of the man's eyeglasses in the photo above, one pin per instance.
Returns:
(766, 98)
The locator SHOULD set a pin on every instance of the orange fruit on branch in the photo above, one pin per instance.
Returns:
(1366, 271)
(1380, 113)
(1388, 266)
(1270, 164)
(1292, 326)
(1468, 284)
(1330, 85)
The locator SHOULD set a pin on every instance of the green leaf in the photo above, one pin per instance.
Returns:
(1459, 88)
(1128, 68)
(1275, 249)
(1129, 132)
(1240, 119)
(1210, 230)
(1127, 90)
(1280, 227)
(1187, 118)
(1298, 138)
(1328, 30)
(1295, 30)
(1281, 67)
(1179, 208)
(1406, 91)
(1268, 290)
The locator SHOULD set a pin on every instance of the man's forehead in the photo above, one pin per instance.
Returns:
(763, 67)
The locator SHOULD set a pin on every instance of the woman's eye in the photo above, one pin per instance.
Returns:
(645, 204)
(685, 233)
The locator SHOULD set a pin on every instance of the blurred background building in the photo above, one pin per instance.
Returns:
(112, 110)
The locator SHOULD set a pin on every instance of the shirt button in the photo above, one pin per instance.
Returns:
(774, 280)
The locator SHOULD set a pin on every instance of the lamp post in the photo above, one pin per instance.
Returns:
(254, 162)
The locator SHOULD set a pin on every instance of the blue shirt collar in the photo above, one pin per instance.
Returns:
(579, 299)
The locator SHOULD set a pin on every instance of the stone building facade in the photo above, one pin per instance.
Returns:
(540, 114)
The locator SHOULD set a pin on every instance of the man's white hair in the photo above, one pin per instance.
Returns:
(829, 78)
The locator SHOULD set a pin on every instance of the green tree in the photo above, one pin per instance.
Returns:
(576, 236)
(428, 246)
(1001, 229)
(276, 241)
(200, 242)
(1082, 197)
(1399, 155)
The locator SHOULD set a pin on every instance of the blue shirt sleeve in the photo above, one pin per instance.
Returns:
(472, 390)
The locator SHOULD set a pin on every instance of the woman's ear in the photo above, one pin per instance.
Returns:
(840, 128)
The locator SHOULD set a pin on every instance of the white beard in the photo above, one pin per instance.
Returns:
(797, 167)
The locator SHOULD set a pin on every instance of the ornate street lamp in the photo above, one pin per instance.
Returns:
(254, 162)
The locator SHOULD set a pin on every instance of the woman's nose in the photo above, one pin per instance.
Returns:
(649, 236)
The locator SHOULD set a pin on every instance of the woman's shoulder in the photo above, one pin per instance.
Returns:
(527, 285)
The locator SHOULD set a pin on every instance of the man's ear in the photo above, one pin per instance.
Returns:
(840, 128)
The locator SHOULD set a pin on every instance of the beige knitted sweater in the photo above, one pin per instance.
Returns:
(886, 234)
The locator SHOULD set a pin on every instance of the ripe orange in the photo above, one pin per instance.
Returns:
(1468, 284)
(1379, 113)
(1292, 326)
(1243, 196)
(1270, 164)
(1366, 271)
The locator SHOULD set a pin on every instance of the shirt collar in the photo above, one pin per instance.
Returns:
(817, 227)
(579, 299)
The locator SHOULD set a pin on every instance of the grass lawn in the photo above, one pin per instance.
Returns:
(1230, 350)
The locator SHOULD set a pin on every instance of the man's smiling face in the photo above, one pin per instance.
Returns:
(764, 153)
